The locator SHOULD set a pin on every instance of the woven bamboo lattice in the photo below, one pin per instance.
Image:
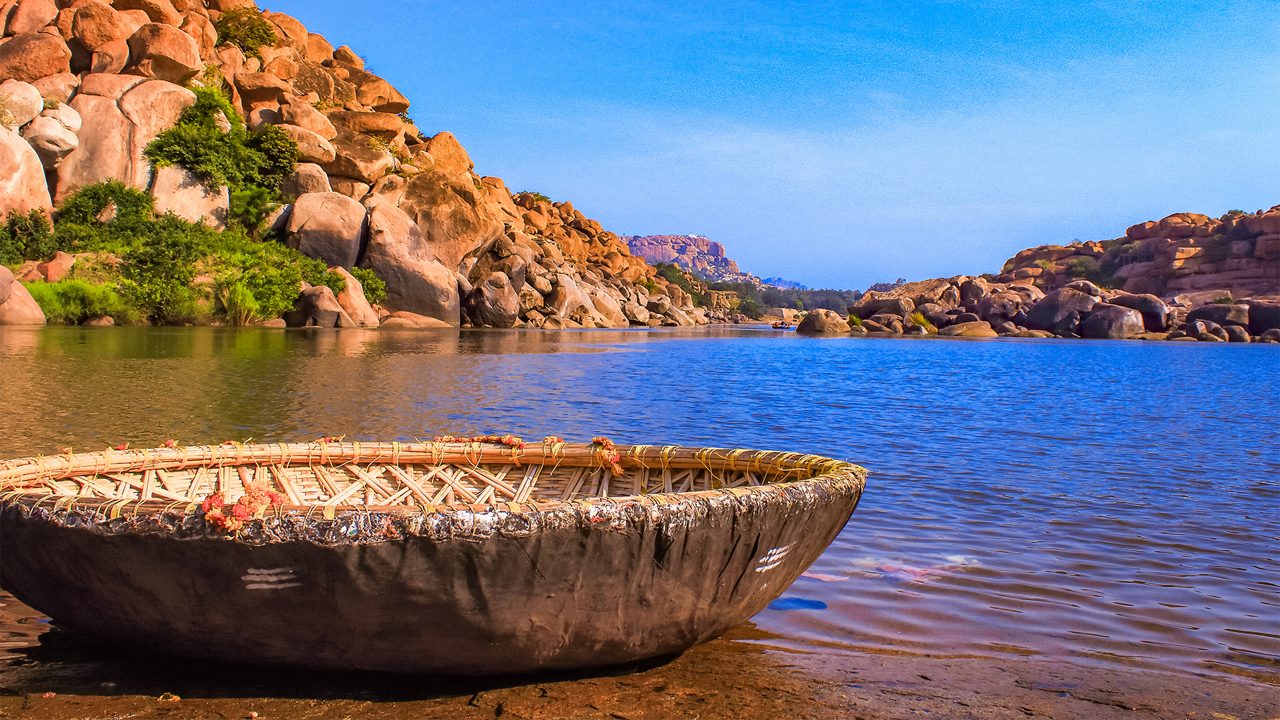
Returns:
(395, 477)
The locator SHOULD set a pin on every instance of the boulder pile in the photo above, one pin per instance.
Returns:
(85, 85)
(1238, 253)
(975, 307)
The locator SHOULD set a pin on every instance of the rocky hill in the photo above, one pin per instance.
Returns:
(695, 253)
(87, 85)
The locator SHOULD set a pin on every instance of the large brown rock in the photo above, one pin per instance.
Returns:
(51, 137)
(358, 157)
(31, 56)
(328, 226)
(17, 307)
(353, 300)
(1155, 313)
(1060, 311)
(180, 192)
(1263, 317)
(1001, 307)
(158, 11)
(22, 183)
(29, 16)
(400, 255)
(451, 158)
(1115, 322)
(121, 115)
(305, 116)
(164, 52)
(261, 87)
(21, 103)
(95, 25)
(449, 215)
(870, 305)
(823, 322)
(311, 147)
(381, 96)
(493, 302)
(306, 178)
(317, 307)
(974, 329)
(1237, 314)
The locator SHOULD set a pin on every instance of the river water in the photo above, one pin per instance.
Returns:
(1110, 504)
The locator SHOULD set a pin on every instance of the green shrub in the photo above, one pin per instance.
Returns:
(159, 270)
(72, 302)
(1044, 264)
(107, 216)
(236, 158)
(26, 237)
(375, 288)
(854, 320)
(751, 307)
(1088, 268)
(246, 29)
(250, 209)
(535, 195)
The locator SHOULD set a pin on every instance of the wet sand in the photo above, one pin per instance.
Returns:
(737, 676)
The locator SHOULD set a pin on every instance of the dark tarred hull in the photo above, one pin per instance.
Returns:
(463, 592)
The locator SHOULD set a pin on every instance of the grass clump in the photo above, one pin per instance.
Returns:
(72, 302)
(246, 29)
(236, 158)
(535, 195)
(919, 320)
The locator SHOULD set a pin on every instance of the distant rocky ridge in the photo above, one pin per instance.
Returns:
(700, 255)
(1185, 277)
(87, 84)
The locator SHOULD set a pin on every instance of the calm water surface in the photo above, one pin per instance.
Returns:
(1106, 503)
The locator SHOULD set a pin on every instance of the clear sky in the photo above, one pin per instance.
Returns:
(844, 143)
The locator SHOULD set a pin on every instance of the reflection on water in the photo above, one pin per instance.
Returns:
(1108, 503)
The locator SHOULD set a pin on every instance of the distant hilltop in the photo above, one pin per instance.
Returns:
(701, 256)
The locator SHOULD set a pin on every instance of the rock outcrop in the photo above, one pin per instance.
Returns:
(88, 84)
(1238, 253)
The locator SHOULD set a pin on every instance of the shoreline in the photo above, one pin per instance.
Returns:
(736, 676)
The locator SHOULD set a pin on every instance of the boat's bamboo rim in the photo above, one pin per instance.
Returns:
(43, 480)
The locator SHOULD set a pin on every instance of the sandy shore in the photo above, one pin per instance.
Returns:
(729, 678)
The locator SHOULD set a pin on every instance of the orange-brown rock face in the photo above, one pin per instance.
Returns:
(106, 77)
(1236, 255)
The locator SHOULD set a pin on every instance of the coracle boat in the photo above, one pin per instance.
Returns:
(462, 557)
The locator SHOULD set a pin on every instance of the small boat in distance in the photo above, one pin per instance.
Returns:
(461, 556)
(781, 325)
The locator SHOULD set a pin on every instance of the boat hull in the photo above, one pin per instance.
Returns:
(470, 592)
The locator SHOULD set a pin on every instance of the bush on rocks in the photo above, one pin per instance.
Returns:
(202, 143)
(26, 236)
(245, 29)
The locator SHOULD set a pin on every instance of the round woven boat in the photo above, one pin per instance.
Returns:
(443, 557)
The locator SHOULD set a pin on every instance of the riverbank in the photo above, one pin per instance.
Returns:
(741, 675)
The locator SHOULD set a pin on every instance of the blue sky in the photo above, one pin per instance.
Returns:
(842, 143)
